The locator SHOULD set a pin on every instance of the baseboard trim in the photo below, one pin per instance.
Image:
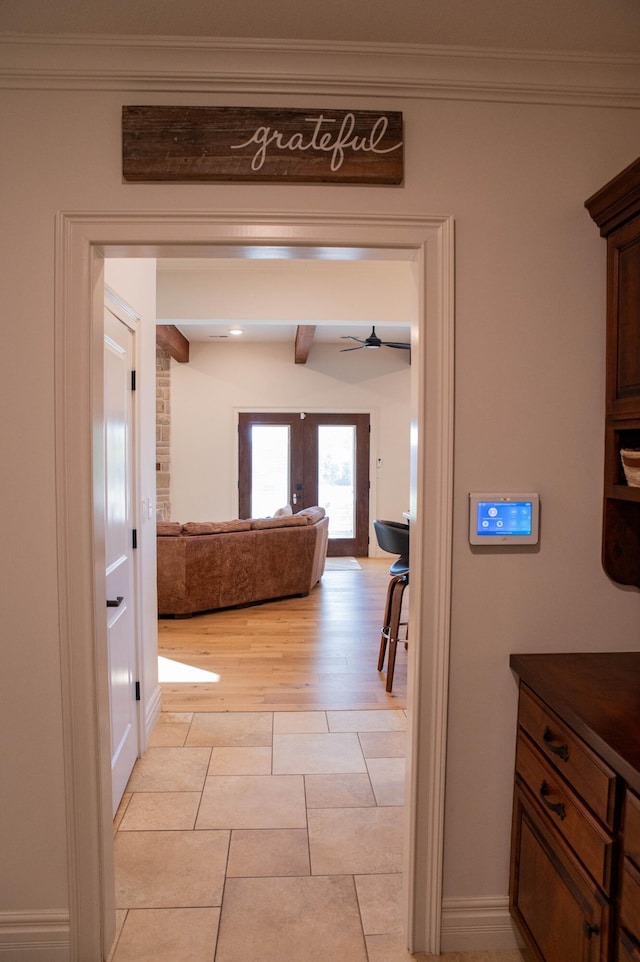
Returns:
(152, 710)
(467, 925)
(478, 924)
(34, 937)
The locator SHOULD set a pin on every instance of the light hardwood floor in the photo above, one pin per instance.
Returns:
(296, 654)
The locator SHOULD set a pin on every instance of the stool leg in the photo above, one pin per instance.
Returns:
(394, 627)
(384, 635)
(393, 644)
(383, 649)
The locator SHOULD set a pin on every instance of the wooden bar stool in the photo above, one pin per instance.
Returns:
(393, 537)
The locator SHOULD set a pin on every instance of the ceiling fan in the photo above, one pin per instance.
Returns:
(373, 341)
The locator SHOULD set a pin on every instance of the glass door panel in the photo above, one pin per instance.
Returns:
(336, 475)
(270, 468)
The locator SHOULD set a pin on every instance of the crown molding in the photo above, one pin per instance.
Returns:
(311, 68)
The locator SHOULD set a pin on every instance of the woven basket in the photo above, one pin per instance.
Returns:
(630, 458)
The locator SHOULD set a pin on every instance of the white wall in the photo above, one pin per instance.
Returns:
(221, 379)
(530, 372)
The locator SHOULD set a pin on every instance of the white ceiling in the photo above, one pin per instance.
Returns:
(340, 293)
(265, 332)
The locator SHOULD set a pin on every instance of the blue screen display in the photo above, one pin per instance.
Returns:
(504, 517)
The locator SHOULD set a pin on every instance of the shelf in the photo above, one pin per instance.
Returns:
(622, 492)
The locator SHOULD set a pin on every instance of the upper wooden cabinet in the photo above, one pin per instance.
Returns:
(616, 210)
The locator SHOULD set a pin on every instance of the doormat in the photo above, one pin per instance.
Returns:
(342, 564)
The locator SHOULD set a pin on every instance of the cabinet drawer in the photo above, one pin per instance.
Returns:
(630, 899)
(632, 827)
(591, 843)
(586, 773)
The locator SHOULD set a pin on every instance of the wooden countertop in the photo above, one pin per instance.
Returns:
(598, 694)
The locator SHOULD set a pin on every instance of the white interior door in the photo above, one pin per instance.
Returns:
(120, 603)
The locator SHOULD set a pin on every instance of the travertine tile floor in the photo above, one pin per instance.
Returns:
(263, 837)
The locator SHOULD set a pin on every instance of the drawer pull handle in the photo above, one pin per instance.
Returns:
(589, 930)
(556, 807)
(561, 750)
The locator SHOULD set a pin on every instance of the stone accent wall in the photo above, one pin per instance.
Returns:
(163, 436)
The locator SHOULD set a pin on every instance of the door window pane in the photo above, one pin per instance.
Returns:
(336, 476)
(269, 468)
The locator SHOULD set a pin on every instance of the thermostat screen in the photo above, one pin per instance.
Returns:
(501, 519)
(507, 518)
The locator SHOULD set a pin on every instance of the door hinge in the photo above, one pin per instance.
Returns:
(133, 380)
(134, 538)
(137, 691)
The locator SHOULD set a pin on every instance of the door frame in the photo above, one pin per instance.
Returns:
(82, 241)
(244, 463)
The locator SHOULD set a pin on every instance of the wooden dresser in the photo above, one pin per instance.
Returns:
(574, 885)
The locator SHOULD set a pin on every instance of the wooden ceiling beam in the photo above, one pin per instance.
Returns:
(171, 340)
(304, 340)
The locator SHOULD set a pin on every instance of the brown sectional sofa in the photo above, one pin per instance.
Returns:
(203, 566)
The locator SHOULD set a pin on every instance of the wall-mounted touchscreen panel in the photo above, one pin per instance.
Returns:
(504, 518)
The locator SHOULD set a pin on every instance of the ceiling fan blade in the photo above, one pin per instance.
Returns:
(343, 349)
(373, 341)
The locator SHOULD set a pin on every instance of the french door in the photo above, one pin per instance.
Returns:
(305, 459)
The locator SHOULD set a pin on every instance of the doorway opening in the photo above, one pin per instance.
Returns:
(83, 242)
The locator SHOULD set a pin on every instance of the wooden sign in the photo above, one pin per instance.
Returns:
(262, 145)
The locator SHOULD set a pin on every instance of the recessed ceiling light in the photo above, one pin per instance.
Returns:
(236, 331)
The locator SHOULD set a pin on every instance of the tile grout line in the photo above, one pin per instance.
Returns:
(358, 903)
(222, 897)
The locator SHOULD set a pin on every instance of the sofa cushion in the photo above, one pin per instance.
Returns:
(312, 515)
(215, 527)
(289, 521)
(285, 512)
(168, 529)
